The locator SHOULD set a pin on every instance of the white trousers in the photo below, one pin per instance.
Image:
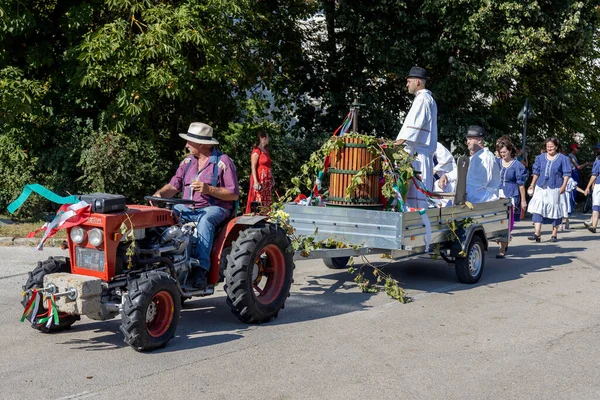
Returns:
(424, 164)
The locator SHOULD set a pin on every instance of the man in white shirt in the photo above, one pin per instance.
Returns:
(483, 176)
(443, 163)
(419, 134)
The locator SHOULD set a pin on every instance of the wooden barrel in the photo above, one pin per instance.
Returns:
(344, 164)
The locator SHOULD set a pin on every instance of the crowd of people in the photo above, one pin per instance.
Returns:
(554, 177)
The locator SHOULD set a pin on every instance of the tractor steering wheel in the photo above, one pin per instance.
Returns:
(169, 201)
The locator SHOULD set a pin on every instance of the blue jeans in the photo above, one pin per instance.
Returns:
(206, 219)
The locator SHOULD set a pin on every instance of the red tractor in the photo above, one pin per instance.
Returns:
(136, 262)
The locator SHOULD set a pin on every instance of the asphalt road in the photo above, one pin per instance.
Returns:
(528, 330)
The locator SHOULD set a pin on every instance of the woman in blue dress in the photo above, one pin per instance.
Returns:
(551, 172)
(512, 180)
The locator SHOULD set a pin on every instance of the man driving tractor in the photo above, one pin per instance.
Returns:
(208, 177)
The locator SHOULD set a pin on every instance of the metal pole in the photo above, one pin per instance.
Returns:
(525, 115)
(355, 106)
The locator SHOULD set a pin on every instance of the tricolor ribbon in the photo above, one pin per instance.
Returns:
(401, 205)
(52, 314)
(421, 188)
(66, 217)
(343, 128)
(32, 307)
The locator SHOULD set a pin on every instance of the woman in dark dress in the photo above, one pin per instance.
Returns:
(512, 183)
(551, 172)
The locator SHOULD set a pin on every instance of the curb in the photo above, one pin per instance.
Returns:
(11, 241)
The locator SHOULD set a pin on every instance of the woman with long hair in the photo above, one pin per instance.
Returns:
(512, 183)
(551, 172)
(261, 177)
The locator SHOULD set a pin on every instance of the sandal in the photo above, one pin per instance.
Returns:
(537, 238)
(553, 239)
(589, 226)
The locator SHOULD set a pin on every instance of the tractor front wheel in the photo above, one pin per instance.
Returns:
(259, 273)
(52, 265)
(150, 311)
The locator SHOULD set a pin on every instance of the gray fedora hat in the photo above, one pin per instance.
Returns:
(199, 133)
(418, 72)
(476, 131)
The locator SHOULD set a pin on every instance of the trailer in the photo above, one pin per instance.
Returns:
(459, 234)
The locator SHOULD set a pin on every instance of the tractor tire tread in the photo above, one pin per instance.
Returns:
(133, 313)
(240, 297)
(35, 279)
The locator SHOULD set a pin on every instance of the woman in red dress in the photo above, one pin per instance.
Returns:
(261, 178)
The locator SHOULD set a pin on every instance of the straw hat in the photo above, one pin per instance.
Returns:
(199, 133)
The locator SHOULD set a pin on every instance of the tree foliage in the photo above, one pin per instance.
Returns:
(484, 57)
(93, 93)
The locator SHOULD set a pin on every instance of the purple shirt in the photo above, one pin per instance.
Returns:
(226, 178)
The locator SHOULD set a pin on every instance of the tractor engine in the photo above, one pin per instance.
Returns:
(173, 243)
(113, 247)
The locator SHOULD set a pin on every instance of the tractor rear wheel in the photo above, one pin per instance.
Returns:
(52, 265)
(150, 311)
(259, 273)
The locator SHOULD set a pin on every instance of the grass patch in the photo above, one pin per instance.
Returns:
(21, 229)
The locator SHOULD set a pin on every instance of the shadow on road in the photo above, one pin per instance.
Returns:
(106, 335)
(204, 322)
(427, 275)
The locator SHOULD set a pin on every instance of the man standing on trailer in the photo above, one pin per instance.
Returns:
(419, 134)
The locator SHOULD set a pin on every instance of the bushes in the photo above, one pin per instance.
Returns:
(76, 157)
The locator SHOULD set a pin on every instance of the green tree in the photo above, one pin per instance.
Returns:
(485, 58)
(100, 89)
(84, 79)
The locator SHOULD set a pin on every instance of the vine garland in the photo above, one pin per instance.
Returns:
(397, 170)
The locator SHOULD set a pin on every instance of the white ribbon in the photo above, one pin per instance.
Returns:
(36, 307)
(59, 220)
(427, 224)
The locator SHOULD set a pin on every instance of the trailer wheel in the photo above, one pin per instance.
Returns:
(259, 273)
(52, 265)
(150, 311)
(470, 268)
(336, 262)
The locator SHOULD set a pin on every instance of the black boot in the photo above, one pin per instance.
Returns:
(200, 280)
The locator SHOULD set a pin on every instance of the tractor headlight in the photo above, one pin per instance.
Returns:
(77, 235)
(96, 237)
